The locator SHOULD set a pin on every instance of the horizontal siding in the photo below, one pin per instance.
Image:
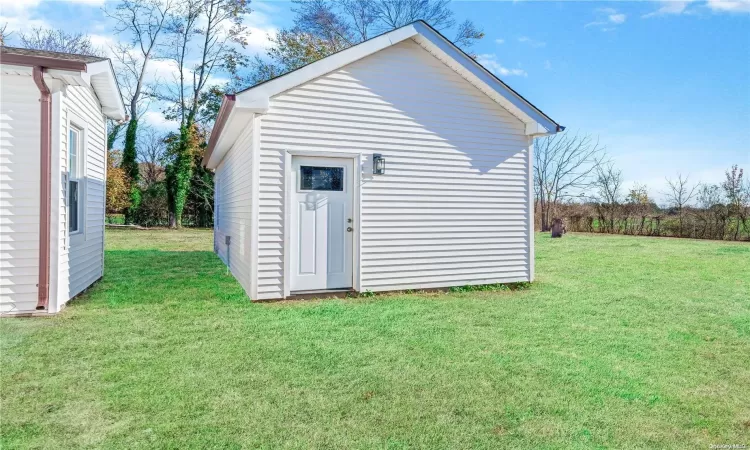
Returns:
(19, 193)
(452, 208)
(233, 204)
(84, 263)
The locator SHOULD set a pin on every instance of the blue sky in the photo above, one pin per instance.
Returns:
(665, 85)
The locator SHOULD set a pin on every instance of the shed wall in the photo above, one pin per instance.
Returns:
(20, 120)
(453, 206)
(233, 209)
(81, 257)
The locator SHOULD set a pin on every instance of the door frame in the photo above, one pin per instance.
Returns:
(356, 212)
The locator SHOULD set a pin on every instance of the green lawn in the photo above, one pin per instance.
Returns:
(623, 342)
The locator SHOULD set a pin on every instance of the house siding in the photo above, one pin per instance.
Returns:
(453, 206)
(82, 258)
(233, 210)
(20, 121)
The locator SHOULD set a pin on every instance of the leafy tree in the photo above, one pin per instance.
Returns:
(217, 26)
(144, 21)
(118, 184)
(738, 196)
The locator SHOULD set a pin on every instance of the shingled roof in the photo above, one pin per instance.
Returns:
(53, 55)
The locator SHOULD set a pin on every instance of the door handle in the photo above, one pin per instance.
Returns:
(349, 229)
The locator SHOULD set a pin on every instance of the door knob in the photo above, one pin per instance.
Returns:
(349, 229)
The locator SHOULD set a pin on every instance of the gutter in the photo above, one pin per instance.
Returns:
(227, 105)
(45, 152)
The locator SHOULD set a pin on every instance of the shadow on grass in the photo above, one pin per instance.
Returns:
(133, 277)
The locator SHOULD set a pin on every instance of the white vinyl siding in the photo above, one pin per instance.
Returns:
(81, 255)
(233, 209)
(20, 120)
(453, 205)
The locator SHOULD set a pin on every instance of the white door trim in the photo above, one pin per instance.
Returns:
(356, 212)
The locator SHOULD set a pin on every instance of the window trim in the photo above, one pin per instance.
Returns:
(343, 179)
(80, 178)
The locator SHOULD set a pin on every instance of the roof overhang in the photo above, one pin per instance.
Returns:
(255, 100)
(100, 76)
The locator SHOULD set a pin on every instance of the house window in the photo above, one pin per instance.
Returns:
(75, 160)
(321, 178)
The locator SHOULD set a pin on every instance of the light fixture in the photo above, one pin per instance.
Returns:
(378, 164)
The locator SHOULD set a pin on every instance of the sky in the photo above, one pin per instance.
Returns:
(665, 86)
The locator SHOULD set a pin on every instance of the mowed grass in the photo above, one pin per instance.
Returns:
(622, 342)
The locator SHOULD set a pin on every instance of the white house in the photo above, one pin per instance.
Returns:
(53, 151)
(399, 163)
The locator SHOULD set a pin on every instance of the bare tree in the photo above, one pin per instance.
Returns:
(152, 153)
(4, 33)
(217, 26)
(323, 27)
(564, 168)
(738, 197)
(678, 195)
(144, 21)
(58, 41)
(608, 186)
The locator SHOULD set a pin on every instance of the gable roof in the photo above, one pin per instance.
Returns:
(71, 69)
(256, 98)
(51, 55)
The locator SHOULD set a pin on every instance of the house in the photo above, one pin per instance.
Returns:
(399, 163)
(53, 151)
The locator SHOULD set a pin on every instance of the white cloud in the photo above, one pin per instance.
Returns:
(668, 8)
(489, 61)
(531, 42)
(547, 65)
(499, 41)
(157, 120)
(608, 19)
(739, 6)
(692, 7)
(617, 18)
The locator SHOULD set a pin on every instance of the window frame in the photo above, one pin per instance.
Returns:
(343, 179)
(79, 179)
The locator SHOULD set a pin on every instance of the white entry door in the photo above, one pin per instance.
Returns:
(321, 223)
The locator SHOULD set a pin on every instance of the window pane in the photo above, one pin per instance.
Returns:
(321, 178)
(73, 206)
(73, 153)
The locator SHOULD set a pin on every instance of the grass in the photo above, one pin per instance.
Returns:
(623, 342)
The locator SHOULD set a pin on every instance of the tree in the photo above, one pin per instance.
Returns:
(151, 154)
(144, 21)
(58, 41)
(217, 26)
(564, 167)
(118, 185)
(4, 33)
(608, 185)
(678, 195)
(738, 197)
(323, 27)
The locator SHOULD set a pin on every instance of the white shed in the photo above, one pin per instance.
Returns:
(53, 152)
(301, 205)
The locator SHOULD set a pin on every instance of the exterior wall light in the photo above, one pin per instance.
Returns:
(378, 164)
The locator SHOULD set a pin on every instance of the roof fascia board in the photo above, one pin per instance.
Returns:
(521, 105)
(48, 63)
(326, 65)
(103, 70)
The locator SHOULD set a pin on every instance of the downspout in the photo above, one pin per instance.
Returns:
(45, 187)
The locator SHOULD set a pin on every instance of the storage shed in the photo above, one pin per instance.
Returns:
(399, 163)
(53, 153)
